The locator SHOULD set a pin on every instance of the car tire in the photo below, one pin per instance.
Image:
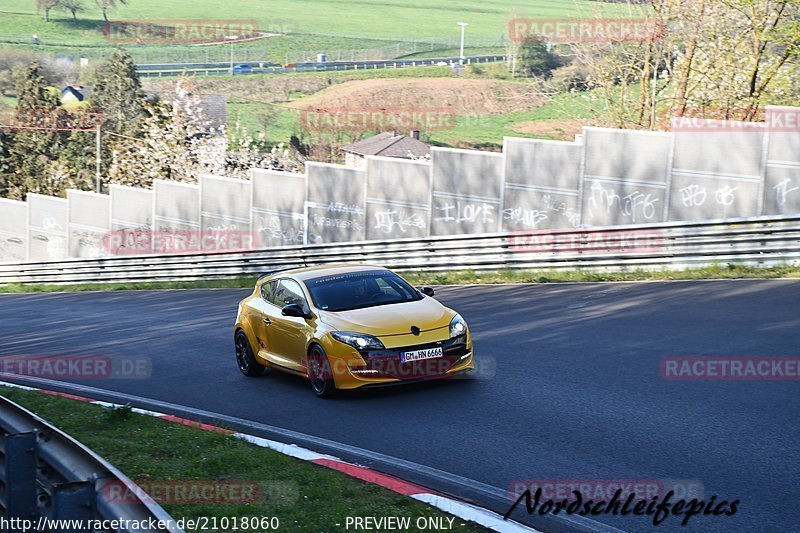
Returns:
(319, 373)
(245, 359)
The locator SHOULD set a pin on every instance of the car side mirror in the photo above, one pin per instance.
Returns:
(427, 291)
(295, 311)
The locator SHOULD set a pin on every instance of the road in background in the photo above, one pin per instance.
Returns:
(577, 393)
(266, 67)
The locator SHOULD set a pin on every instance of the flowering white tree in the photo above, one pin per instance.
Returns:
(245, 152)
(178, 143)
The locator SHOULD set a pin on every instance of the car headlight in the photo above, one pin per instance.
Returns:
(359, 341)
(457, 326)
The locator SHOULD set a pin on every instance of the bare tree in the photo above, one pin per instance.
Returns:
(723, 59)
(45, 6)
(109, 5)
(73, 6)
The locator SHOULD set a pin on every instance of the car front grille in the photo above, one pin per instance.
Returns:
(389, 364)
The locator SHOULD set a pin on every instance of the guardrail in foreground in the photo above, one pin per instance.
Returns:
(46, 474)
(759, 241)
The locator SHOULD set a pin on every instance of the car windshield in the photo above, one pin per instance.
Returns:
(356, 290)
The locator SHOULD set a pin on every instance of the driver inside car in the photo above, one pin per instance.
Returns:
(366, 289)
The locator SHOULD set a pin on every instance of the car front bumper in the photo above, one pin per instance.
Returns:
(385, 367)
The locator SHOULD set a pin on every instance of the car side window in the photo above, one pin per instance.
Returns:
(268, 290)
(288, 292)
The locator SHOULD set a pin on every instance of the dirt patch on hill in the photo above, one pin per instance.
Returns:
(458, 96)
(559, 129)
(264, 89)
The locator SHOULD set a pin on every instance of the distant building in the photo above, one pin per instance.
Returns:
(75, 93)
(387, 144)
(213, 106)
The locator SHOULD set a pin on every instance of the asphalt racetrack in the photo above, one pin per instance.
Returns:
(570, 386)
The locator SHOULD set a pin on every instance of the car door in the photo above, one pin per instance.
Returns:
(288, 336)
(260, 311)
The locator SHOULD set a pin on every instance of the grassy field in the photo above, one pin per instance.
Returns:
(463, 277)
(378, 19)
(478, 131)
(339, 28)
(487, 131)
(258, 103)
(304, 497)
(320, 25)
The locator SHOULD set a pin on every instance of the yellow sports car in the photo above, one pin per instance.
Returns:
(349, 326)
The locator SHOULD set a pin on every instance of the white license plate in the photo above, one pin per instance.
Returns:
(419, 355)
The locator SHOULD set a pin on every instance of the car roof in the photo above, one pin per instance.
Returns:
(317, 271)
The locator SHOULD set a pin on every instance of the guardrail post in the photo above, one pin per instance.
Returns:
(74, 500)
(20, 450)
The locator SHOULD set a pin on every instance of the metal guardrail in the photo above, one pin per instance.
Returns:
(46, 475)
(200, 66)
(265, 67)
(760, 241)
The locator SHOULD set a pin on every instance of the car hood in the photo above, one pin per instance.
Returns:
(393, 319)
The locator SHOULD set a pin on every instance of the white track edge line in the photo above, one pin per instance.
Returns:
(451, 506)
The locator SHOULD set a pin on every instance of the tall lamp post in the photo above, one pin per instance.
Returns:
(463, 27)
(231, 38)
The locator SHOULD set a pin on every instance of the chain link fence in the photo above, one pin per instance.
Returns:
(400, 48)
(257, 51)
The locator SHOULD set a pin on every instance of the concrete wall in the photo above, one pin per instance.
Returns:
(131, 208)
(398, 198)
(13, 230)
(542, 184)
(89, 222)
(717, 172)
(225, 204)
(177, 206)
(466, 189)
(610, 177)
(782, 179)
(278, 211)
(47, 227)
(625, 178)
(335, 203)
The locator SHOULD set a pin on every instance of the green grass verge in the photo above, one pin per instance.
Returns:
(303, 496)
(462, 277)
